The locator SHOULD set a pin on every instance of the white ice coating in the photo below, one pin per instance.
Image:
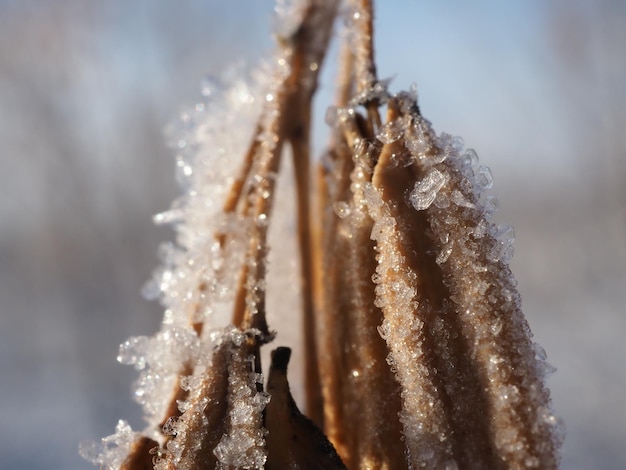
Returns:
(423, 414)
(211, 138)
(453, 191)
(160, 358)
(206, 411)
(450, 191)
(200, 273)
(198, 278)
(112, 450)
(243, 446)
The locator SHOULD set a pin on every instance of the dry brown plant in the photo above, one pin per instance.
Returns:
(417, 354)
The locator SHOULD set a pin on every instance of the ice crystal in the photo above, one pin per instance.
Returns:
(425, 190)
(112, 450)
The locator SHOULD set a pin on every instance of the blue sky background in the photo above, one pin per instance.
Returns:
(86, 88)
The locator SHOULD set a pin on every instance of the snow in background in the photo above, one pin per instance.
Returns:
(536, 87)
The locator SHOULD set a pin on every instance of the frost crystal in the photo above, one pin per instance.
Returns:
(484, 180)
(425, 190)
(503, 248)
(133, 352)
(391, 132)
(244, 444)
(112, 450)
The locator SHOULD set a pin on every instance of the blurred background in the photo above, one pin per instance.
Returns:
(537, 87)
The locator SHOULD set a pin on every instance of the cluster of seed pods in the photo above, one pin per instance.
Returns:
(417, 354)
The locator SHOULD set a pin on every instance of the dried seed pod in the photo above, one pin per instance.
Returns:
(294, 441)
(471, 388)
(361, 394)
(417, 352)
